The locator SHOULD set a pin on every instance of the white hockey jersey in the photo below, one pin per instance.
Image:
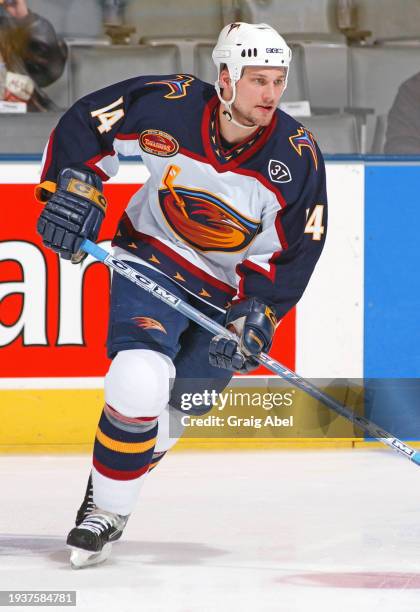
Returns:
(222, 223)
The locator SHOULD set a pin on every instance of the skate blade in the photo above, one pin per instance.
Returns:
(80, 558)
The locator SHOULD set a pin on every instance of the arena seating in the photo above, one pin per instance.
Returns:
(345, 84)
(76, 18)
(26, 133)
(325, 60)
(204, 67)
(191, 50)
(375, 74)
(379, 135)
(336, 133)
(297, 83)
(92, 68)
(286, 16)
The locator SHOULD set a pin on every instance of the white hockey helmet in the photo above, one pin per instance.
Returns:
(249, 44)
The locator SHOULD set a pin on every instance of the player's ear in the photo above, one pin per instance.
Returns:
(224, 79)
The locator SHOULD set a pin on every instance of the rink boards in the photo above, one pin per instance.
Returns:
(357, 318)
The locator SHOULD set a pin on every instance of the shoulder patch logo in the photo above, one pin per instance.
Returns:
(177, 87)
(279, 172)
(158, 143)
(303, 138)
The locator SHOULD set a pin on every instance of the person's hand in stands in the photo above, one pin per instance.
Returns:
(17, 8)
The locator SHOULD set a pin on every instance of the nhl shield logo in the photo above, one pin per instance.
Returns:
(279, 172)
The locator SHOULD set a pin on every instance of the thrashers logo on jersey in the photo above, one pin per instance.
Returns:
(148, 323)
(202, 219)
(303, 138)
(159, 143)
(177, 87)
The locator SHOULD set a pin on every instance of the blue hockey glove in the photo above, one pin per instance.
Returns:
(74, 212)
(255, 323)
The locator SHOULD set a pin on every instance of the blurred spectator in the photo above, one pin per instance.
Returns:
(29, 46)
(403, 131)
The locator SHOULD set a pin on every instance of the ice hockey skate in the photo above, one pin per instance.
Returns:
(88, 505)
(91, 541)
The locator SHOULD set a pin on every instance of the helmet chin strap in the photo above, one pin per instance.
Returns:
(228, 107)
(228, 114)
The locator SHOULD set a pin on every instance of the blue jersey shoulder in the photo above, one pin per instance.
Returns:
(154, 91)
(289, 159)
(295, 146)
(179, 88)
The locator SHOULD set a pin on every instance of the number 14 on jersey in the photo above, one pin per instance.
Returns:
(314, 223)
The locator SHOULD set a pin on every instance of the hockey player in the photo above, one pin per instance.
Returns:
(232, 219)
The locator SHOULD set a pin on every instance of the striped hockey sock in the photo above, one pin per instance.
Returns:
(88, 504)
(124, 446)
(155, 459)
(122, 455)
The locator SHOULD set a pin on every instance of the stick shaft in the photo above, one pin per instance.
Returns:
(149, 285)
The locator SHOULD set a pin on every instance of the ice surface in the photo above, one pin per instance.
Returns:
(262, 531)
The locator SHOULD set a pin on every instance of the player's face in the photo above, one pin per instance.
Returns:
(258, 93)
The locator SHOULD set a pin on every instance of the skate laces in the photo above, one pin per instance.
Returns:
(100, 522)
(90, 504)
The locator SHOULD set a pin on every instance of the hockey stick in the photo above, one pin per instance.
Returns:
(149, 285)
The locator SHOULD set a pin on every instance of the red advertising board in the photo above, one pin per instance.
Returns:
(53, 318)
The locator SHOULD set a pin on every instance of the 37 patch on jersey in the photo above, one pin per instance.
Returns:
(279, 172)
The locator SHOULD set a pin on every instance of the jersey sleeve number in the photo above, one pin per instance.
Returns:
(109, 115)
(314, 222)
